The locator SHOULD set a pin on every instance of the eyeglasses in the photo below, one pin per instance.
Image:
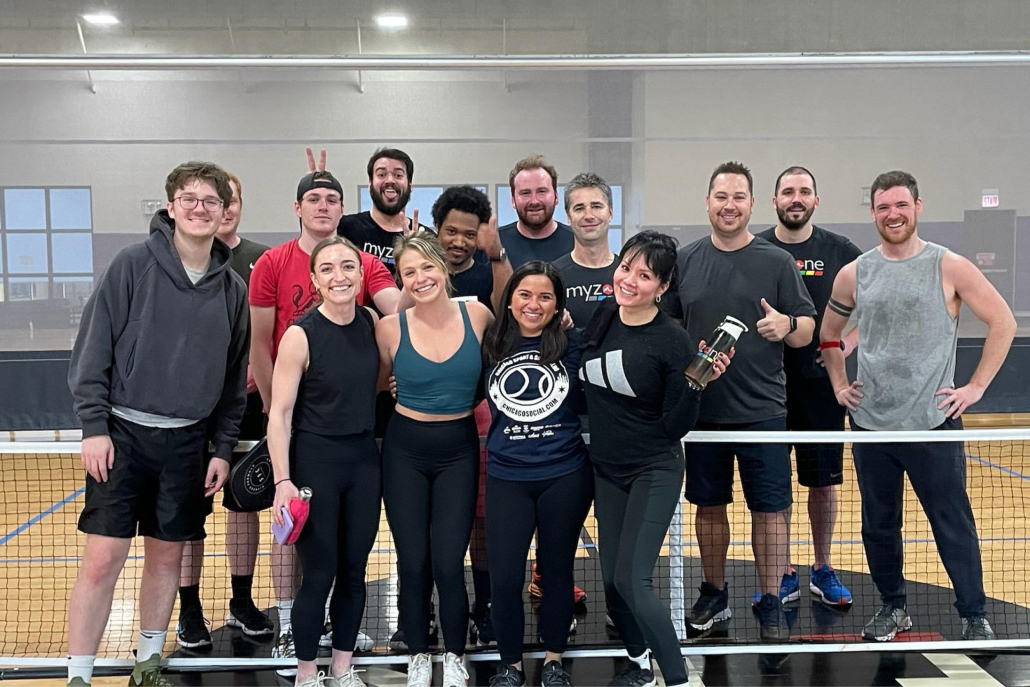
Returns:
(189, 203)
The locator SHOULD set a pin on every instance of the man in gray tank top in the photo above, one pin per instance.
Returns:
(908, 294)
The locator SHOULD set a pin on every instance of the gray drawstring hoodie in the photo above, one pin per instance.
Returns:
(153, 341)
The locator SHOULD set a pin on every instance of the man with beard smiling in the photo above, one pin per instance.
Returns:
(819, 255)
(390, 174)
(536, 235)
(732, 272)
(909, 293)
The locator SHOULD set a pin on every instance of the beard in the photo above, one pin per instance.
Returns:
(895, 239)
(792, 224)
(523, 217)
(390, 209)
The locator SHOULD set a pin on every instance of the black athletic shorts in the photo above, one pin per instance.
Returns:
(156, 486)
(252, 428)
(812, 406)
(764, 469)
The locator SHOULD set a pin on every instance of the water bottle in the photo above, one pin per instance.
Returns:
(300, 507)
(722, 340)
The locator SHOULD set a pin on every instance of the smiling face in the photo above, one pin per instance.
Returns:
(533, 304)
(896, 213)
(534, 197)
(795, 201)
(337, 274)
(201, 221)
(231, 216)
(457, 235)
(390, 186)
(635, 284)
(319, 210)
(422, 278)
(729, 204)
(589, 215)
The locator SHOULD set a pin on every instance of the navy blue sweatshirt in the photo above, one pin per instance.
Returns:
(154, 341)
(534, 410)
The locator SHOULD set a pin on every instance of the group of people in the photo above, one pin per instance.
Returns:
(436, 336)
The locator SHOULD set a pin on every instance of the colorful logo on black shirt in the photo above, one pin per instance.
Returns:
(526, 391)
(589, 292)
(810, 268)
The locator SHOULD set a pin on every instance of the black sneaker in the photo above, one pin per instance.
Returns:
(483, 626)
(399, 643)
(634, 676)
(711, 607)
(508, 676)
(246, 616)
(976, 628)
(554, 675)
(771, 620)
(192, 632)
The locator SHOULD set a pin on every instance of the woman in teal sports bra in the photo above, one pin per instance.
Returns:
(431, 450)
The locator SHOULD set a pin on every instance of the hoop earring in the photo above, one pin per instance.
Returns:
(658, 300)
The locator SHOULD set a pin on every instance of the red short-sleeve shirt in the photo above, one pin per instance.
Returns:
(282, 279)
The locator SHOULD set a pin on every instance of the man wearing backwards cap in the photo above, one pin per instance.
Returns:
(280, 292)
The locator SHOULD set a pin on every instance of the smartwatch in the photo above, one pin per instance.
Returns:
(793, 324)
(500, 256)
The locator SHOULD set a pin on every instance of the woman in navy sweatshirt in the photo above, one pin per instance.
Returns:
(634, 360)
(538, 472)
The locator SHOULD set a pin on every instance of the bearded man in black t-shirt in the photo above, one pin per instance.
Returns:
(819, 255)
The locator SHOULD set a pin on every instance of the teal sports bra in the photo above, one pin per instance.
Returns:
(438, 388)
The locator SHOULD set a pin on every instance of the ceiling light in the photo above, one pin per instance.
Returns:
(392, 21)
(101, 19)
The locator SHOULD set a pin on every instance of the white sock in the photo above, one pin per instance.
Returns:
(150, 642)
(285, 611)
(81, 666)
(643, 660)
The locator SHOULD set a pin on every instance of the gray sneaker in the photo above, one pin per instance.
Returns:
(887, 623)
(77, 682)
(977, 629)
(349, 678)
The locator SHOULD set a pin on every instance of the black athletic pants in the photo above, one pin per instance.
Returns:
(344, 476)
(633, 515)
(556, 509)
(430, 479)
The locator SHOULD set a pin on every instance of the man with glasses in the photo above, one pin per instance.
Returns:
(160, 357)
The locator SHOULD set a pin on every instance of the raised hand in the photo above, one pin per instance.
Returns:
(312, 167)
(775, 325)
(488, 240)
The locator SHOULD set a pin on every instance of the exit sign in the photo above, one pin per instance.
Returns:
(990, 198)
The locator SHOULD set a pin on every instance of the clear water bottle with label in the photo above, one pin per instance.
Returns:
(722, 340)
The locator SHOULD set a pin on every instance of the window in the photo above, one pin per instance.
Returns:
(506, 213)
(46, 245)
(422, 199)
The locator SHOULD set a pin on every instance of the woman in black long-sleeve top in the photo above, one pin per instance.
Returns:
(640, 407)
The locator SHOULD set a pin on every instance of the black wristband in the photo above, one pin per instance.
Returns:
(284, 479)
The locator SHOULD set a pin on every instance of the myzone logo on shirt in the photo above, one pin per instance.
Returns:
(524, 390)
(810, 268)
(589, 292)
(384, 253)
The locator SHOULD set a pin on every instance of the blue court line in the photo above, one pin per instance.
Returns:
(998, 467)
(32, 521)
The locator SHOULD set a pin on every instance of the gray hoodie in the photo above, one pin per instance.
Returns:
(153, 341)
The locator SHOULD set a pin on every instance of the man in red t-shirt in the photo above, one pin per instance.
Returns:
(281, 291)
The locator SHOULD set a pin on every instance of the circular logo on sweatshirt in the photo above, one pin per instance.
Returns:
(524, 390)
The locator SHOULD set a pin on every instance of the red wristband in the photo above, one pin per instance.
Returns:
(829, 344)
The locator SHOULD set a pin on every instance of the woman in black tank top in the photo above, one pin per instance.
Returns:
(323, 394)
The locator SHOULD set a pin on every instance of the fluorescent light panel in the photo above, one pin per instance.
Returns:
(392, 21)
(101, 19)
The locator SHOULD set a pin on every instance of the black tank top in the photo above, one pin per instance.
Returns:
(337, 392)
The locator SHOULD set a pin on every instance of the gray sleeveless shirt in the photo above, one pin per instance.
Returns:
(906, 339)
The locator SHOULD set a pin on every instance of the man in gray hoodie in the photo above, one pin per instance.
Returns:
(161, 357)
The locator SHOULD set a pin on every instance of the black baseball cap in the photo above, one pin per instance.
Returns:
(318, 180)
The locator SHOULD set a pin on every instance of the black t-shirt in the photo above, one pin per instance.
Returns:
(818, 259)
(244, 255)
(534, 414)
(366, 234)
(476, 283)
(521, 249)
(710, 284)
(639, 402)
(585, 287)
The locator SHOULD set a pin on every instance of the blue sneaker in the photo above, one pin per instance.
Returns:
(788, 589)
(828, 588)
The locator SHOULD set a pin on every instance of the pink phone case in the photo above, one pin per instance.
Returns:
(281, 533)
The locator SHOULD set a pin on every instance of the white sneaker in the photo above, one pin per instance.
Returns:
(454, 672)
(284, 649)
(349, 678)
(420, 670)
(316, 680)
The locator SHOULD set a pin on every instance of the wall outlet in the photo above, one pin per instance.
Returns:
(150, 207)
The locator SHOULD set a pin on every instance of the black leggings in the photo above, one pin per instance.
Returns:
(345, 479)
(556, 508)
(430, 476)
(633, 515)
